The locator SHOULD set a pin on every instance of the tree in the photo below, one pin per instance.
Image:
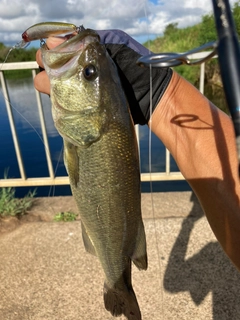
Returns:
(170, 29)
(207, 30)
(236, 16)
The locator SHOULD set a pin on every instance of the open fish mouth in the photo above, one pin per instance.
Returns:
(63, 54)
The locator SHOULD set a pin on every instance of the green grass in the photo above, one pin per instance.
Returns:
(179, 40)
(12, 206)
(65, 216)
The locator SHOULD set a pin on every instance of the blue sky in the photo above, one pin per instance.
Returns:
(142, 19)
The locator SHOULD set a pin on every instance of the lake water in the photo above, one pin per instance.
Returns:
(23, 100)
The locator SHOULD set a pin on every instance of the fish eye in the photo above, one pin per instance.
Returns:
(90, 72)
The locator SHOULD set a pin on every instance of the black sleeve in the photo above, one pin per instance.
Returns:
(125, 51)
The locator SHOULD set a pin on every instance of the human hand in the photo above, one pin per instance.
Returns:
(125, 51)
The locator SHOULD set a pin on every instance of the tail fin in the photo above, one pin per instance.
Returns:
(121, 302)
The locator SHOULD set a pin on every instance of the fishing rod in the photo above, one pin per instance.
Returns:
(228, 50)
(229, 62)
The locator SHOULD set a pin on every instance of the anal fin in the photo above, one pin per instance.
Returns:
(139, 256)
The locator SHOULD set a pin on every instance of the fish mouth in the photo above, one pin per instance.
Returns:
(70, 48)
(72, 43)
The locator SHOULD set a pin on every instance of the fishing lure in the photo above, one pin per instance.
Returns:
(46, 29)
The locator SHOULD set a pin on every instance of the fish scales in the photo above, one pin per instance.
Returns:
(91, 113)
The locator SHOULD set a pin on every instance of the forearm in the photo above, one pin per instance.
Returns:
(201, 139)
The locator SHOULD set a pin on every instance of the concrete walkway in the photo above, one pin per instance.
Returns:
(45, 273)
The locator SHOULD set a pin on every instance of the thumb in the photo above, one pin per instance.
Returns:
(53, 42)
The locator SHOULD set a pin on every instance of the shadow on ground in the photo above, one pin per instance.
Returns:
(207, 271)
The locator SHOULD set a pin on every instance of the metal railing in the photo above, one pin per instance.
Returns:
(63, 180)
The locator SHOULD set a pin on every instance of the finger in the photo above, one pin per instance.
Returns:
(53, 42)
(42, 83)
(39, 58)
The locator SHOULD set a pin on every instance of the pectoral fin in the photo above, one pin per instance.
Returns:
(71, 162)
(89, 246)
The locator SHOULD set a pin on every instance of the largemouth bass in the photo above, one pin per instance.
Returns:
(91, 113)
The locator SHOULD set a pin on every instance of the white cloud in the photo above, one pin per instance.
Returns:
(142, 18)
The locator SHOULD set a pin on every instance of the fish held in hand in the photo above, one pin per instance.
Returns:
(91, 113)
